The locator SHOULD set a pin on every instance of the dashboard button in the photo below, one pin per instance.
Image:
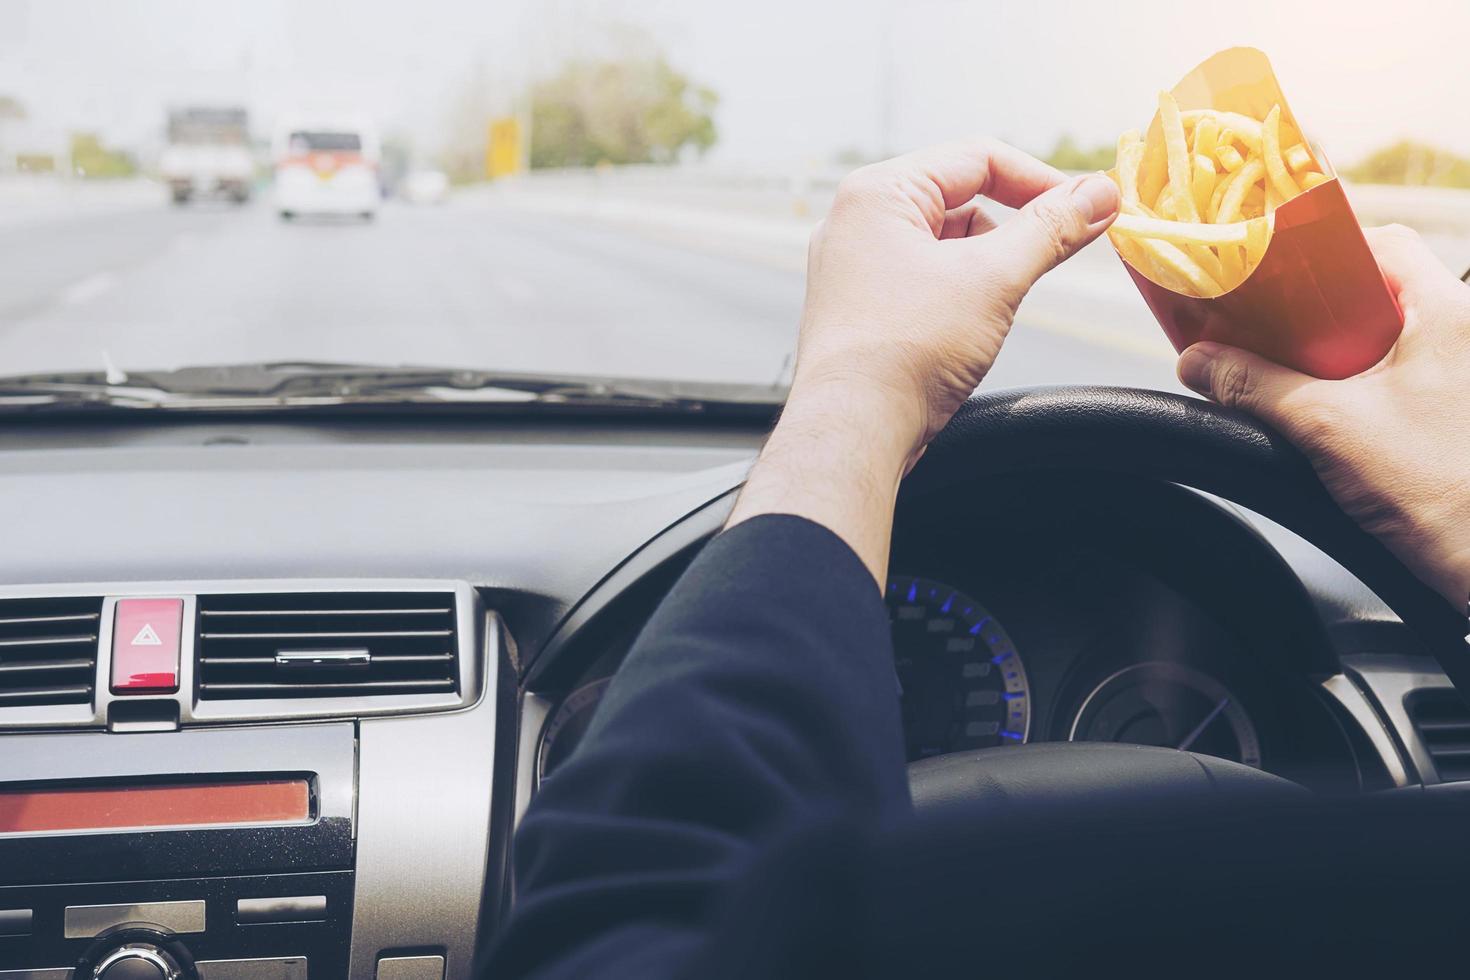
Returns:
(145, 645)
(411, 968)
(290, 908)
(265, 968)
(15, 922)
(86, 921)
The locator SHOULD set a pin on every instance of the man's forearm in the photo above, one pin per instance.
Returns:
(836, 458)
(760, 695)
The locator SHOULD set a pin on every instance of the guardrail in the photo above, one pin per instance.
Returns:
(794, 192)
(809, 191)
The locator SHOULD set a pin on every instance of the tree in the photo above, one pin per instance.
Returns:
(1408, 162)
(467, 121)
(10, 111)
(90, 158)
(629, 110)
(1067, 155)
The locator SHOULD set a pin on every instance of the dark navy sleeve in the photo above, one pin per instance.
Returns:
(760, 696)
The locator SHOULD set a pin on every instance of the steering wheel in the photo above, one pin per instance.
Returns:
(1180, 440)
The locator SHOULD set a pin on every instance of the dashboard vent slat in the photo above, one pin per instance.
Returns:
(1443, 721)
(27, 620)
(37, 666)
(427, 611)
(276, 689)
(324, 635)
(251, 645)
(49, 641)
(48, 650)
(382, 659)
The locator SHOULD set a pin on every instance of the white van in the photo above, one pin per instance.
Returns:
(327, 166)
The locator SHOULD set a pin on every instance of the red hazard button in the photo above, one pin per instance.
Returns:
(145, 645)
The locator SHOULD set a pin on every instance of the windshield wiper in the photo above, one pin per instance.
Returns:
(308, 386)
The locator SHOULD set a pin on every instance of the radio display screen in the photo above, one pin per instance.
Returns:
(84, 806)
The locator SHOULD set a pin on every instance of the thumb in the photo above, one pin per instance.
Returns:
(1049, 229)
(1239, 379)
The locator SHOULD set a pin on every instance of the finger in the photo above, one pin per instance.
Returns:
(1048, 230)
(966, 221)
(1412, 269)
(1238, 379)
(959, 171)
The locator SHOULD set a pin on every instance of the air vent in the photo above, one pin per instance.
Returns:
(48, 650)
(1443, 722)
(326, 644)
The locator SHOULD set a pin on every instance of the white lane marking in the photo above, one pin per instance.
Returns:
(88, 289)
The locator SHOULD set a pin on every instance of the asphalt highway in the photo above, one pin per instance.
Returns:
(161, 288)
(489, 282)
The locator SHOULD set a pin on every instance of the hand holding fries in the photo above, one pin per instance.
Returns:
(1198, 208)
(1236, 231)
(1391, 445)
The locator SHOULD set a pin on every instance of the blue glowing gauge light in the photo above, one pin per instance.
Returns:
(964, 686)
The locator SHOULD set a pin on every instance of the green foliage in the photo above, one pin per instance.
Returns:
(632, 110)
(1408, 162)
(35, 163)
(89, 158)
(1067, 155)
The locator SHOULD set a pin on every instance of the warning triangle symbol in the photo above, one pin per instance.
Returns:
(146, 637)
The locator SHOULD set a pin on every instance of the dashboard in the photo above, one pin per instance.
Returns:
(375, 639)
(1091, 617)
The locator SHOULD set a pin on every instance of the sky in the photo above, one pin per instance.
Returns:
(799, 81)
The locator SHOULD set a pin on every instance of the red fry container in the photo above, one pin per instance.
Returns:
(1317, 301)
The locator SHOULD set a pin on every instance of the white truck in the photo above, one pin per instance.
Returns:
(208, 154)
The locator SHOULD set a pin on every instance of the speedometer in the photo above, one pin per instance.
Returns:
(568, 724)
(963, 684)
(1159, 703)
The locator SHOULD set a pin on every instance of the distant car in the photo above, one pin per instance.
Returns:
(327, 167)
(208, 154)
(425, 187)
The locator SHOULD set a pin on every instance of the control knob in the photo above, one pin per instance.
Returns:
(136, 951)
(137, 961)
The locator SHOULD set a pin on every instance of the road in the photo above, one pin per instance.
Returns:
(503, 280)
(161, 287)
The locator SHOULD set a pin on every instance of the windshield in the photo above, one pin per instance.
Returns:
(612, 188)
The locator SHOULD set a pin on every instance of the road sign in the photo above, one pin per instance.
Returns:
(503, 150)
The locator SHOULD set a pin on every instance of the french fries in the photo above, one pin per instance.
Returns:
(1281, 181)
(1229, 158)
(1199, 201)
(1176, 148)
(1130, 158)
(1181, 232)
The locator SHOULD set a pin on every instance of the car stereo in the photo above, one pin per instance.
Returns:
(224, 853)
(246, 781)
